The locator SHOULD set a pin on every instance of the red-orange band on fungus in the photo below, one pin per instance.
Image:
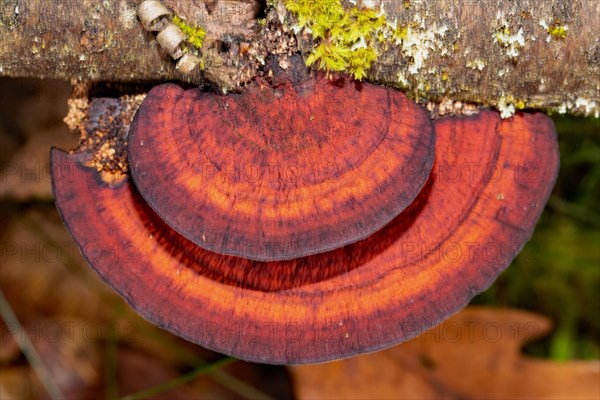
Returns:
(488, 188)
(284, 172)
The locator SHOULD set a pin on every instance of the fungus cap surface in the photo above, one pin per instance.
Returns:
(280, 172)
(487, 190)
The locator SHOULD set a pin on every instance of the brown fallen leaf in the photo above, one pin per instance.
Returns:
(475, 354)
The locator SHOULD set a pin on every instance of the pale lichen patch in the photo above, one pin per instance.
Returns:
(506, 108)
(477, 64)
(448, 106)
(504, 36)
(127, 15)
(580, 106)
(402, 80)
(587, 105)
(562, 109)
(419, 42)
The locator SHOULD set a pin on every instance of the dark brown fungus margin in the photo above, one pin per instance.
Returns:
(280, 172)
(488, 188)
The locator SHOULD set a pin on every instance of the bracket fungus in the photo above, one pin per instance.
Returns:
(280, 173)
(477, 208)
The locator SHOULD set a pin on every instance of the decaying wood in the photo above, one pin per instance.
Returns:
(105, 41)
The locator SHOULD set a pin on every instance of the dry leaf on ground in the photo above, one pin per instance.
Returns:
(475, 354)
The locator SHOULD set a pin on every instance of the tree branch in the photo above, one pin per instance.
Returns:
(530, 54)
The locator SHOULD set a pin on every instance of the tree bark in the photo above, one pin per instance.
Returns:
(104, 41)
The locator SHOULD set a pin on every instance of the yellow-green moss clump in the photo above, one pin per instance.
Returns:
(345, 37)
(557, 31)
(345, 40)
(195, 34)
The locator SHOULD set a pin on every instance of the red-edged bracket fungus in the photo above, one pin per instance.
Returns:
(409, 271)
(280, 173)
